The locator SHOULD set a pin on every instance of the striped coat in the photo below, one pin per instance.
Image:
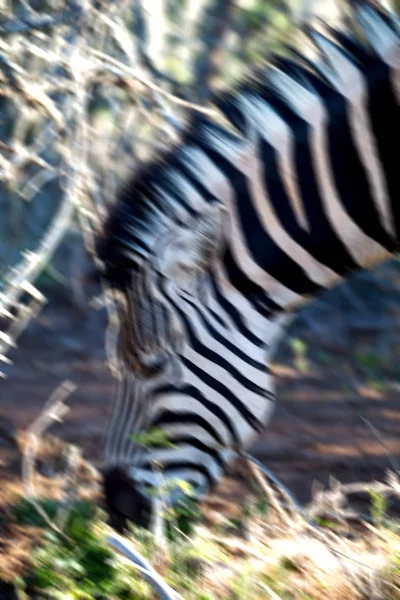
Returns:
(212, 247)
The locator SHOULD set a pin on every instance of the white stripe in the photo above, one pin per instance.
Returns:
(211, 302)
(278, 133)
(219, 185)
(244, 431)
(245, 157)
(181, 403)
(190, 194)
(364, 250)
(230, 331)
(236, 337)
(175, 430)
(254, 322)
(163, 216)
(257, 405)
(178, 212)
(384, 41)
(349, 81)
(174, 292)
(256, 353)
(254, 375)
(186, 454)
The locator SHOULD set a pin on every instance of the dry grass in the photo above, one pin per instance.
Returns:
(251, 555)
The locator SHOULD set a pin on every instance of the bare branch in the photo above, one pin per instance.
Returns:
(54, 410)
(39, 22)
(120, 68)
(32, 264)
(143, 33)
(32, 92)
(287, 493)
(268, 491)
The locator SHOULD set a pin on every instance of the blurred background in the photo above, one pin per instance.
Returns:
(87, 90)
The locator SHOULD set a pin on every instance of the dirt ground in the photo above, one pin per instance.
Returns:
(316, 431)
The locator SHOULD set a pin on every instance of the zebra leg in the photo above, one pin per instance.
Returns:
(124, 501)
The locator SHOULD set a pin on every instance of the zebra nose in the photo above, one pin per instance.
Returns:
(124, 502)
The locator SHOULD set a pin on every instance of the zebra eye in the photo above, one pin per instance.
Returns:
(191, 251)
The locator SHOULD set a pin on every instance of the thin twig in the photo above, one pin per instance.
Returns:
(268, 491)
(33, 263)
(311, 523)
(54, 410)
(122, 545)
(299, 508)
(17, 79)
(70, 478)
(31, 22)
(105, 58)
(392, 459)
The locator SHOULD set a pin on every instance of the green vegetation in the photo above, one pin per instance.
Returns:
(379, 507)
(200, 563)
(153, 438)
(25, 513)
(77, 564)
(299, 349)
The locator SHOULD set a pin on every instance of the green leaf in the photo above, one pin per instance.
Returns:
(153, 438)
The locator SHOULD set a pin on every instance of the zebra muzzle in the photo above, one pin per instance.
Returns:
(124, 501)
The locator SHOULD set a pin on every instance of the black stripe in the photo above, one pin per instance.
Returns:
(190, 390)
(226, 102)
(235, 316)
(217, 317)
(311, 241)
(254, 293)
(167, 417)
(349, 173)
(222, 340)
(199, 347)
(225, 392)
(172, 190)
(251, 290)
(179, 465)
(229, 309)
(190, 440)
(322, 242)
(385, 117)
(270, 257)
(219, 360)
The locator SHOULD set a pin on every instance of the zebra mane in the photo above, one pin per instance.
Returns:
(135, 220)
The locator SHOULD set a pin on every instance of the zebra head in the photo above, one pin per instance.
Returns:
(192, 332)
(210, 248)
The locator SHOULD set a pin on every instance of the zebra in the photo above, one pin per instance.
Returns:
(212, 247)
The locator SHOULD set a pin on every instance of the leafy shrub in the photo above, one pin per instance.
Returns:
(76, 564)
